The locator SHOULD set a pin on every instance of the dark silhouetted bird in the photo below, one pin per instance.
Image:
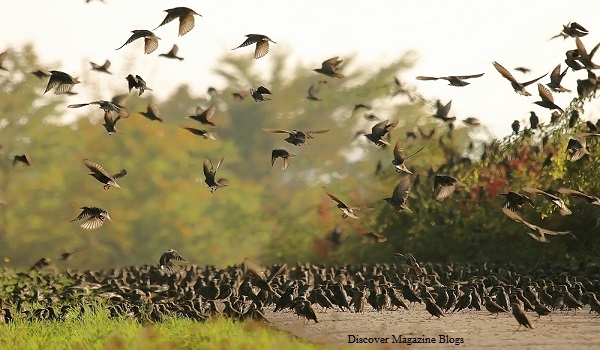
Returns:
(284, 155)
(586, 87)
(297, 137)
(432, 308)
(172, 53)
(514, 201)
(519, 313)
(578, 147)
(20, 159)
(536, 232)
(262, 44)
(204, 115)
(400, 194)
(400, 158)
(137, 83)
(95, 217)
(573, 30)
(492, 307)
(165, 263)
(330, 67)
(150, 40)
(304, 309)
(40, 74)
(454, 80)
(201, 132)
(259, 94)
(110, 123)
(556, 78)
(523, 70)
(584, 57)
(442, 111)
(186, 18)
(62, 81)
(563, 209)
(346, 210)
(534, 120)
(210, 173)
(379, 131)
(590, 199)
(101, 68)
(516, 126)
(472, 121)
(518, 87)
(541, 310)
(106, 106)
(547, 99)
(152, 112)
(444, 186)
(102, 175)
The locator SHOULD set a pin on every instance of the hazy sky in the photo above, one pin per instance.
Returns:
(450, 37)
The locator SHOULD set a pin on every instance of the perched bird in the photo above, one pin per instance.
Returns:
(150, 40)
(556, 78)
(432, 308)
(210, 173)
(547, 99)
(518, 87)
(541, 310)
(102, 175)
(578, 146)
(303, 308)
(20, 159)
(106, 106)
(444, 186)
(346, 210)
(204, 115)
(552, 198)
(296, 137)
(453, 80)
(137, 83)
(201, 132)
(515, 126)
(62, 81)
(330, 67)
(95, 217)
(373, 237)
(519, 313)
(400, 195)
(492, 307)
(594, 303)
(536, 232)
(590, 199)
(165, 263)
(172, 53)
(262, 44)
(379, 131)
(258, 94)
(186, 18)
(400, 159)
(284, 155)
(514, 201)
(534, 120)
(152, 112)
(573, 30)
(101, 68)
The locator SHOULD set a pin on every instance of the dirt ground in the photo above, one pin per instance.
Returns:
(477, 329)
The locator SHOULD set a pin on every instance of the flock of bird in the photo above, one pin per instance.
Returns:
(246, 290)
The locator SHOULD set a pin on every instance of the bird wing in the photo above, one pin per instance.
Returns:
(402, 190)
(150, 44)
(516, 217)
(534, 80)
(333, 196)
(316, 131)
(252, 39)
(93, 223)
(277, 131)
(573, 193)
(470, 76)
(505, 73)
(152, 108)
(581, 48)
(207, 168)
(120, 174)
(399, 151)
(96, 168)
(186, 23)
(262, 48)
(545, 94)
(255, 270)
(331, 63)
(78, 105)
(420, 77)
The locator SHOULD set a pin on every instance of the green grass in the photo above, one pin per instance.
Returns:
(100, 332)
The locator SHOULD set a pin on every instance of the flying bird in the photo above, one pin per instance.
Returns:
(284, 155)
(204, 115)
(556, 78)
(164, 263)
(296, 137)
(152, 112)
(400, 158)
(20, 159)
(258, 94)
(150, 40)
(523, 70)
(262, 44)
(573, 30)
(209, 174)
(584, 57)
(547, 99)
(518, 87)
(379, 131)
(563, 209)
(172, 53)
(101, 68)
(346, 210)
(106, 106)
(536, 232)
(514, 201)
(472, 121)
(330, 67)
(110, 123)
(442, 111)
(201, 132)
(453, 80)
(137, 83)
(400, 195)
(95, 217)
(577, 147)
(102, 175)
(186, 19)
(62, 81)
(444, 186)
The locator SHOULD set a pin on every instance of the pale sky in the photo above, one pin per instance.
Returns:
(450, 37)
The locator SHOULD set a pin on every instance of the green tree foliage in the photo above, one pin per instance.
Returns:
(264, 212)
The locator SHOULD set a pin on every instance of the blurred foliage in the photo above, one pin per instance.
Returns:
(264, 212)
